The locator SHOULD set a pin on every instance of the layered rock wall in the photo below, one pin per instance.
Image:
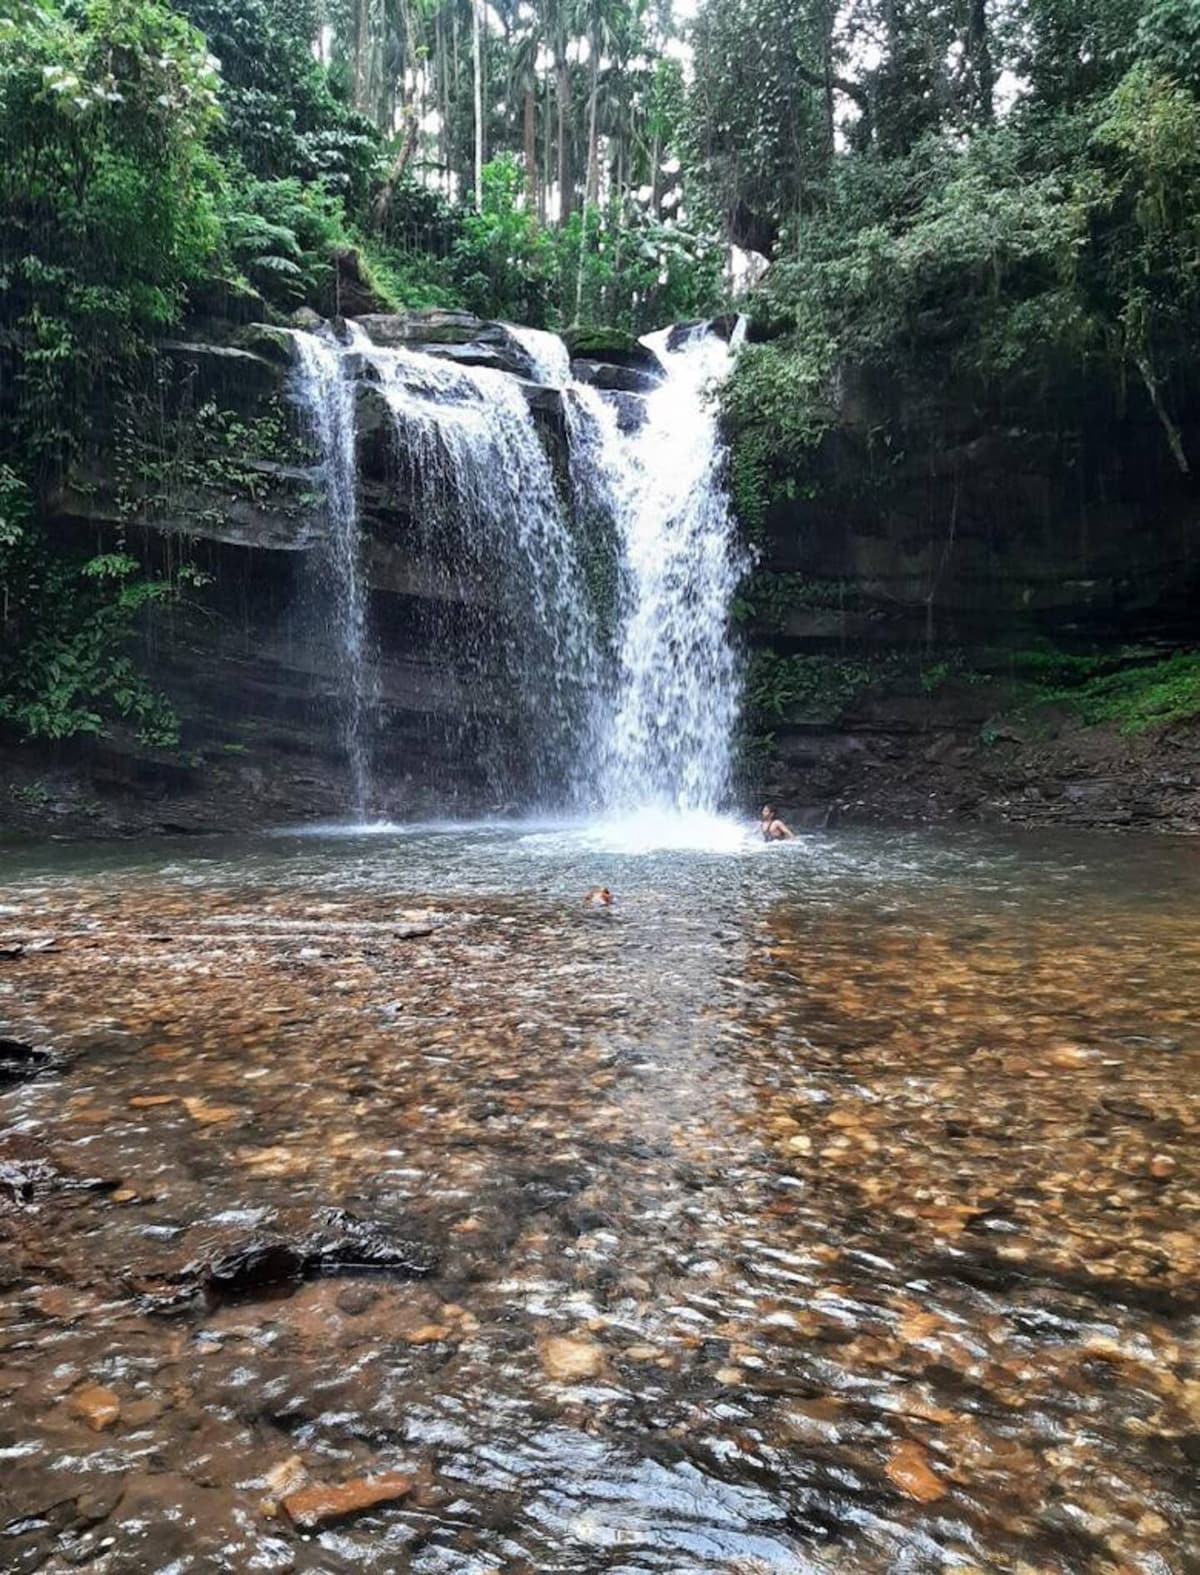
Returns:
(207, 466)
(905, 588)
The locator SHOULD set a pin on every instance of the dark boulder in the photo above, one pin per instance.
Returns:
(426, 325)
(451, 336)
(354, 292)
(615, 379)
(223, 370)
(503, 356)
(268, 1265)
(613, 347)
(20, 1061)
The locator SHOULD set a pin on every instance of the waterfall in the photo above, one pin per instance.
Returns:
(488, 507)
(667, 721)
(326, 398)
(550, 356)
(590, 643)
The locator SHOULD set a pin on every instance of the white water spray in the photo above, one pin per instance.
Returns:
(550, 356)
(667, 726)
(326, 398)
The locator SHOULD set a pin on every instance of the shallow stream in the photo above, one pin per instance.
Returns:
(821, 1207)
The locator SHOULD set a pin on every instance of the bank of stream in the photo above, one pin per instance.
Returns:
(828, 1207)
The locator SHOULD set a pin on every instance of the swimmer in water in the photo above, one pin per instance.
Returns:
(773, 829)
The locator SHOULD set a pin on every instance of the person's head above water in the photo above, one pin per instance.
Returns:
(768, 813)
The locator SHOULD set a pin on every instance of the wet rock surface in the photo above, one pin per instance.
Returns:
(829, 1208)
(20, 1060)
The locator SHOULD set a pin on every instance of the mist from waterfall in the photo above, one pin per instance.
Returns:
(326, 398)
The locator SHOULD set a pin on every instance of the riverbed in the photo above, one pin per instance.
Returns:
(825, 1207)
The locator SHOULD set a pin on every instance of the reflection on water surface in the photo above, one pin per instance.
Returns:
(824, 1207)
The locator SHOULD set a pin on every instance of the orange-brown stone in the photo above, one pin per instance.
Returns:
(323, 1502)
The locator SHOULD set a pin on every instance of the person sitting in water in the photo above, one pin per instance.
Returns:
(773, 829)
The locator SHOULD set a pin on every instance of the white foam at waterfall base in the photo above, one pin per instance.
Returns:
(666, 723)
(326, 399)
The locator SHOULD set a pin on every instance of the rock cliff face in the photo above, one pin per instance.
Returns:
(893, 598)
(904, 593)
(208, 465)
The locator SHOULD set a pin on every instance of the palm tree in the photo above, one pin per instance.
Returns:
(523, 81)
(477, 25)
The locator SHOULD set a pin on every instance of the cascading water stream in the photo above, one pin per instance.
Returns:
(641, 718)
(666, 725)
(550, 357)
(487, 504)
(326, 397)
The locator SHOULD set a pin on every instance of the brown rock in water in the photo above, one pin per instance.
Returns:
(209, 1115)
(428, 1334)
(357, 1299)
(96, 1406)
(908, 1470)
(323, 1503)
(570, 1361)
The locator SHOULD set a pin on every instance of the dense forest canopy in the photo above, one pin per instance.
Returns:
(999, 197)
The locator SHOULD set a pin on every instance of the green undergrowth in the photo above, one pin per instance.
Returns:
(817, 688)
(1122, 689)
(765, 600)
(1133, 698)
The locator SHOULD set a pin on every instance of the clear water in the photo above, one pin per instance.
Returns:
(326, 398)
(862, 1171)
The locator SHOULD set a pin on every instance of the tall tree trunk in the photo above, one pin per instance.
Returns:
(456, 83)
(477, 63)
(593, 166)
(656, 175)
(827, 18)
(592, 189)
(443, 72)
(531, 158)
(546, 150)
(359, 38)
(979, 53)
(1171, 431)
(382, 206)
(565, 194)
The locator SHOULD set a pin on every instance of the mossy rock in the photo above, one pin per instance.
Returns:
(268, 341)
(429, 325)
(611, 346)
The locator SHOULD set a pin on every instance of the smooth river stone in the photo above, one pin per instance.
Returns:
(323, 1503)
(570, 1361)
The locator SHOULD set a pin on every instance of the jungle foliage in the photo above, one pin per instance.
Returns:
(1000, 215)
(162, 162)
(992, 202)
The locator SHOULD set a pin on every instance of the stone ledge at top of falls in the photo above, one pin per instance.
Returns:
(613, 361)
(612, 379)
(613, 347)
(450, 336)
(227, 368)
